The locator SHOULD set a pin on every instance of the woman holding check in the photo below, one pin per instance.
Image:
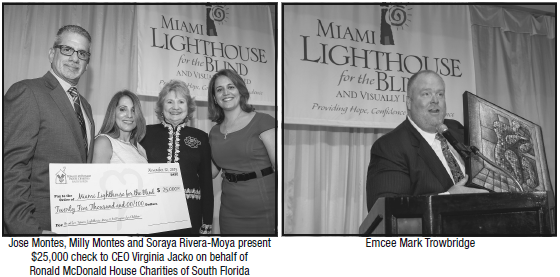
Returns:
(173, 141)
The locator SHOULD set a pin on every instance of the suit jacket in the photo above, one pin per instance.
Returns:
(403, 163)
(40, 127)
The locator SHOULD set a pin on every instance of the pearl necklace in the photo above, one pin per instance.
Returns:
(225, 125)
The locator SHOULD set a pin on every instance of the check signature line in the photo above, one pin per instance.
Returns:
(163, 223)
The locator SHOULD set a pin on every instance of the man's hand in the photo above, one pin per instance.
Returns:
(461, 188)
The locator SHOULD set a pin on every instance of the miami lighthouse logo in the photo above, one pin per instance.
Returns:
(215, 14)
(393, 16)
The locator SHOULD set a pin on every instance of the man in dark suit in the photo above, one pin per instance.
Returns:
(411, 159)
(46, 121)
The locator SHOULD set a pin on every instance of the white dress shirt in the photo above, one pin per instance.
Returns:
(436, 146)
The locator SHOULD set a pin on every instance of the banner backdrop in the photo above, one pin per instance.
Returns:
(192, 42)
(349, 65)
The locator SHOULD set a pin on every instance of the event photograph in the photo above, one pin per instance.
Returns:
(425, 120)
(155, 120)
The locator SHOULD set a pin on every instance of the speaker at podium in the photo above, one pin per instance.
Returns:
(505, 155)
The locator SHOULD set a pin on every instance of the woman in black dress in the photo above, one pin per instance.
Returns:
(172, 141)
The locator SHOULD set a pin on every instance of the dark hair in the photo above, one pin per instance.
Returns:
(215, 112)
(415, 76)
(72, 29)
(110, 127)
(178, 87)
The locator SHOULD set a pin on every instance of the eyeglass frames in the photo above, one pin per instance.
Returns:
(69, 51)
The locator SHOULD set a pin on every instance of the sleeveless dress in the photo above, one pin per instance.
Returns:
(248, 207)
(126, 152)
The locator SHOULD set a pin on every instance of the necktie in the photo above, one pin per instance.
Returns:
(78, 109)
(451, 161)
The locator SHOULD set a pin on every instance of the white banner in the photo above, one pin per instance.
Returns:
(349, 65)
(193, 42)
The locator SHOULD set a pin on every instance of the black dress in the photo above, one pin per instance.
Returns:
(190, 148)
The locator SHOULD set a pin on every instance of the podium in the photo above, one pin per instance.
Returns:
(530, 213)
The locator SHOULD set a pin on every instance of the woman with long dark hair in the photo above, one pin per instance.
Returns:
(123, 128)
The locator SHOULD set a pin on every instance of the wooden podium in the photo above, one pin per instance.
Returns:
(531, 213)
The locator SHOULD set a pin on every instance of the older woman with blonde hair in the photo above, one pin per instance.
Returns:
(173, 141)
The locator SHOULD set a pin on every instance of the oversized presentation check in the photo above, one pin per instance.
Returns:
(117, 198)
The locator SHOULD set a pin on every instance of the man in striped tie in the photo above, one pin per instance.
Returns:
(46, 120)
(413, 159)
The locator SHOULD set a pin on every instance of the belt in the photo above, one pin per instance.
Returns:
(234, 178)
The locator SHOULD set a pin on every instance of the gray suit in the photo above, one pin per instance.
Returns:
(40, 127)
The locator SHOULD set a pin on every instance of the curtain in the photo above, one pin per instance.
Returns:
(515, 61)
(324, 178)
(325, 167)
(29, 32)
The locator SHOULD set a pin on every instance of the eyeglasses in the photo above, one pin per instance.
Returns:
(69, 51)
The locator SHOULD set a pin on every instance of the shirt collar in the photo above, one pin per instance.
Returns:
(429, 137)
(65, 85)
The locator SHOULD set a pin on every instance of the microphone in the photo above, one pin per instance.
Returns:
(461, 148)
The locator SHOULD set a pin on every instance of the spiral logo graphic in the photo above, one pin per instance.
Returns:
(218, 13)
(396, 16)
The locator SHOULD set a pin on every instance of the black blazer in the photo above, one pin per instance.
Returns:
(40, 127)
(403, 163)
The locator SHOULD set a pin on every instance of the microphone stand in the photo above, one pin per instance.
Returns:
(476, 151)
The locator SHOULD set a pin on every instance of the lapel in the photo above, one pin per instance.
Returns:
(427, 154)
(59, 96)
